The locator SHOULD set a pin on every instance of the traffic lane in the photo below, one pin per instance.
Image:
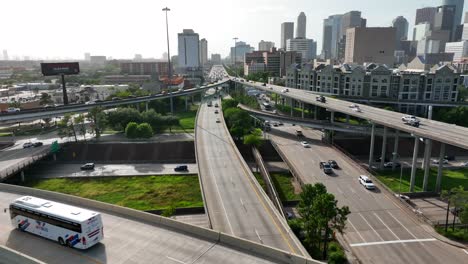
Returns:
(109, 170)
(246, 216)
(126, 241)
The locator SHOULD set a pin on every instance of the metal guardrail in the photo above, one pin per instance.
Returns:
(271, 190)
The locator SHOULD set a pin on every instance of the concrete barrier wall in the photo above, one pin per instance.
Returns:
(196, 231)
(10, 256)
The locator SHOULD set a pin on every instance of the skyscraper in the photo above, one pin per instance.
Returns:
(457, 18)
(265, 45)
(349, 20)
(306, 47)
(203, 51)
(301, 26)
(444, 19)
(188, 46)
(5, 55)
(87, 56)
(287, 32)
(331, 36)
(370, 45)
(401, 26)
(425, 15)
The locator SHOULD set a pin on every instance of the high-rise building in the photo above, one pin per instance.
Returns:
(153, 68)
(421, 30)
(240, 50)
(287, 32)
(138, 57)
(459, 50)
(216, 59)
(87, 56)
(5, 55)
(444, 19)
(425, 15)
(98, 60)
(457, 18)
(188, 44)
(401, 25)
(306, 47)
(349, 20)
(367, 45)
(265, 45)
(301, 26)
(203, 51)
(331, 36)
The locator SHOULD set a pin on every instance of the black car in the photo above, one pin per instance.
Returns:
(181, 168)
(449, 158)
(37, 144)
(333, 164)
(87, 166)
(321, 99)
(264, 84)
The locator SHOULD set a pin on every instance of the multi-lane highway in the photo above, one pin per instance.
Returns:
(125, 241)
(430, 129)
(378, 229)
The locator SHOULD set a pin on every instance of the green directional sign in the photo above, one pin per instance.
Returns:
(54, 148)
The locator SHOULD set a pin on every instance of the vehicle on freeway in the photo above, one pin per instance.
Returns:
(218, 120)
(449, 158)
(305, 144)
(357, 109)
(48, 106)
(98, 101)
(411, 120)
(210, 104)
(264, 84)
(353, 106)
(465, 164)
(366, 182)
(13, 110)
(321, 98)
(436, 161)
(216, 105)
(216, 111)
(266, 106)
(333, 164)
(68, 225)
(326, 167)
(285, 90)
(299, 133)
(27, 145)
(87, 166)
(90, 102)
(37, 144)
(179, 168)
(389, 165)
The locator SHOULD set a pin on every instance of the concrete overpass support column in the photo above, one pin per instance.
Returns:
(172, 106)
(384, 148)
(146, 106)
(413, 164)
(315, 113)
(332, 117)
(427, 165)
(291, 105)
(186, 103)
(440, 167)
(302, 106)
(347, 119)
(22, 176)
(372, 140)
(138, 107)
(395, 149)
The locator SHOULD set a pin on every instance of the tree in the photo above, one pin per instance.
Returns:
(254, 139)
(45, 99)
(462, 93)
(153, 118)
(80, 122)
(131, 131)
(119, 118)
(457, 198)
(230, 103)
(97, 119)
(144, 130)
(320, 215)
(67, 127)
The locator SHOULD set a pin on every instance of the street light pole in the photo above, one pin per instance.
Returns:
(169, 71)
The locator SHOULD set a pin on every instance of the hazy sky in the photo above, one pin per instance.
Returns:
(122, 28)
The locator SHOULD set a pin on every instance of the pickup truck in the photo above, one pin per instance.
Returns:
(325, 166)
(411, 120)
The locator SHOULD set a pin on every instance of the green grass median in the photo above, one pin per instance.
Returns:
(139, 192)
(283, 185)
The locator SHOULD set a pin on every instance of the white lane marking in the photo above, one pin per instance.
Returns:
(464, 250)
(175, 260)
(392, 242)
(243, 205)
(339, 190)
(386, 226)
(349, 221)
(402, 225)
(259, 238)
(371, 227)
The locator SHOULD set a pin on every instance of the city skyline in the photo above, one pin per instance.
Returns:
(217, 24)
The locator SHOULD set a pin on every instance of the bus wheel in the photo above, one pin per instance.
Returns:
(61, 242)
(69, 244)
(19, 227)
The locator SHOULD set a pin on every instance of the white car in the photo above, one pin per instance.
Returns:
(285, 90)
(13, 109)
(305, 144)
(436, 161)
(357, 109)
(353, 106)
(409, 118)
(465, 164)
(366, 182)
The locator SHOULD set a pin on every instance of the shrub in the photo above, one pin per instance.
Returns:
(144, 130)
(336, 257)
(131, 131)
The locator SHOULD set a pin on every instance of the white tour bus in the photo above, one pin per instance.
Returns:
(70, 226)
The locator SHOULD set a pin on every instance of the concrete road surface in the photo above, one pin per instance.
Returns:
(235, 204)
(73, 170)
(378, 230)
(125, 241)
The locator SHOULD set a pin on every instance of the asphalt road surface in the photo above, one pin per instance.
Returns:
(378, 230)
(235, 204)
(125, 241)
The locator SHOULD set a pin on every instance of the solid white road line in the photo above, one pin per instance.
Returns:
(464, 250)
(392, 242)
(349, 221)
(386, 226)
(371, 227)
(402, 225)
(258, 235)
(175, 260)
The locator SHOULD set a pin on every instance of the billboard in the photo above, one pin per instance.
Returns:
(66, 68)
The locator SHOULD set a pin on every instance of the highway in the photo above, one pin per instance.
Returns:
(430, 129)
(125, 241)
(378, 229)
